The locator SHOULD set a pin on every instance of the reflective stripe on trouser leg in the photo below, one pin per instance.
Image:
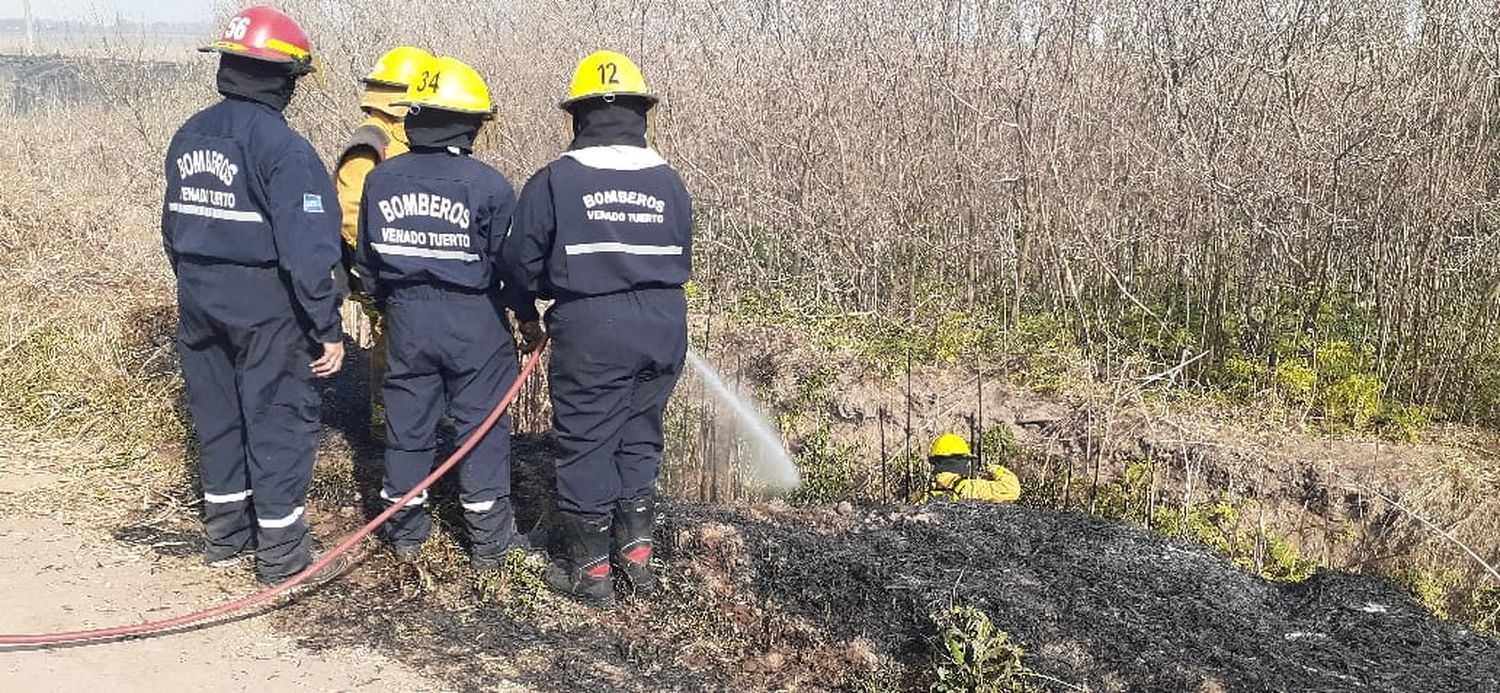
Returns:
(283, 545)
(206, 355)
(410, 525)
(492, 526)
(227, 527)
(413, 392)
(281, 419)
(482, 370)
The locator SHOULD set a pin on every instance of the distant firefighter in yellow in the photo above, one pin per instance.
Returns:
(954, 476)
(381, 136)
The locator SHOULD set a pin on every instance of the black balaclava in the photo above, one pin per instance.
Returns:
(262, 81)
(599, 123)
(430, 128)
(957, 464)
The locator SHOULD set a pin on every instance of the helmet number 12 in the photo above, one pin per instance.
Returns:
(609, 73)
(237, 28)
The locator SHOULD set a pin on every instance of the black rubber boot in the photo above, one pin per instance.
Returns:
(330, 572)
(493, 534)
(634, 520)
(583, 570)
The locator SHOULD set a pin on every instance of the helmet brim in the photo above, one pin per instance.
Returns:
(244, 53)
(650, 99)
(372, 82)
(414, 107)
(309, 66)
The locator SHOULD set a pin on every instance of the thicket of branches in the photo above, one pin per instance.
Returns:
(1236, 180)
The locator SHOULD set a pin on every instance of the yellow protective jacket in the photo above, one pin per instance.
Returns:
(1001, 487)
(380, 137)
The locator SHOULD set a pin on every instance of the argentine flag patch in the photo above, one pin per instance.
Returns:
(312, 204)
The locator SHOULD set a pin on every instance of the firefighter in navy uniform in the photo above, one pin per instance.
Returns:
(251, 228)
(606, 231)
(380, 137)
(429, 250)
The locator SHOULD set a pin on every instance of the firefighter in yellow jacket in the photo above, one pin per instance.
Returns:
(953, 475)
(380, 137)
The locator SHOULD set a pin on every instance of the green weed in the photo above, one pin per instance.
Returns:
(1217, 523)
(972, 656)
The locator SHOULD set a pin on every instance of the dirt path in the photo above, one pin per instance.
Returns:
(58, 576)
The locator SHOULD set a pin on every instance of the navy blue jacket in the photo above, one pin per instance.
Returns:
(602, 220)
(244, 189)
(436, 217)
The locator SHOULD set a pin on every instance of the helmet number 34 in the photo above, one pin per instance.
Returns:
(609, 73)
(237, 28)
(428, 81)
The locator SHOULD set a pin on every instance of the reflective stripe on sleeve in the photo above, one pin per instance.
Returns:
(419, 500)
(227, 497)
(407, 251)
(215, 212)
(626, 248)
(282, 522)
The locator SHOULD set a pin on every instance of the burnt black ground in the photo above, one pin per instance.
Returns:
(772, 598)
(1104, 604)
(1098, 604)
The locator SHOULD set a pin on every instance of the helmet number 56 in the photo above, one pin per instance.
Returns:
(237, 28)
(609, 73)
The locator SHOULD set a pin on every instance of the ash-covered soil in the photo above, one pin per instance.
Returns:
(773, 598)
(768, 597)
(1098, 603)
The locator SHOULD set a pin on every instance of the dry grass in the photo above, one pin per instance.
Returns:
(895, 159)
(85, 322)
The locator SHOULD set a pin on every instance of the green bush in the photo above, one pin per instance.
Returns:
(829, 467)
(999, 445)
(1296, 381)
(972, 656)
(1216, 523)
(1351, 403)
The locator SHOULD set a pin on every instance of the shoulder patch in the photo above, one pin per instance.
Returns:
(312, 204)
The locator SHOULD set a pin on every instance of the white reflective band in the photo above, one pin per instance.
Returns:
(215, 212)
(617, 157)
(387, 249)
(412, 503)
(227, 497)
(282, 522)
(626, 248)
(479, 507)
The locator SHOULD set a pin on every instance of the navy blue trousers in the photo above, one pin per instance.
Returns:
(245, 358)
(448, 351)
(615, 360)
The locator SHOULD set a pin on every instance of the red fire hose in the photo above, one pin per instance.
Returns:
(268, 593)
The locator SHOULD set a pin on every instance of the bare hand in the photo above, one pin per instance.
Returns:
(331, 361)
(531, 336)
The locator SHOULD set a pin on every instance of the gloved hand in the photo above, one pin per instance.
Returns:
(531, 336)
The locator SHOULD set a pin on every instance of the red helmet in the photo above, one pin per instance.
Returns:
(264, 33)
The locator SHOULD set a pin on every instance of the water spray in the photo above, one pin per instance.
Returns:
(772, 466)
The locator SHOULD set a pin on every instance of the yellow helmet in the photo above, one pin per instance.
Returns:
(606, 74)
(949, 445)
(387, 83)
(398, 67)
(447, 84)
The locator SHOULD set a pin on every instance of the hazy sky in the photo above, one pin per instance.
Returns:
(134, 10)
